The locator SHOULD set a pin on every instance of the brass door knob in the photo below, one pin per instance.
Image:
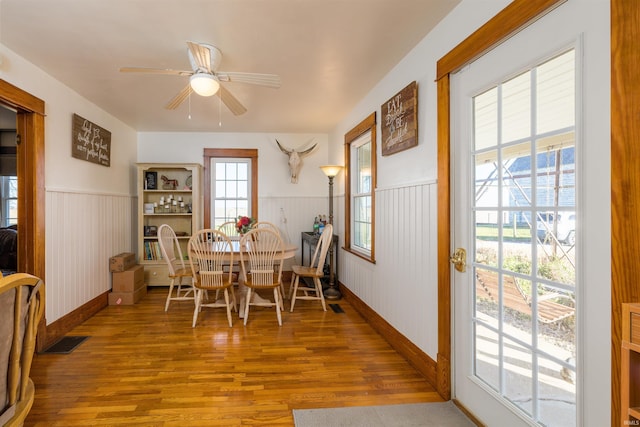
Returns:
(459, 259)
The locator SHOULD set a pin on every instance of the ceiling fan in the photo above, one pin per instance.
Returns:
(205, 80)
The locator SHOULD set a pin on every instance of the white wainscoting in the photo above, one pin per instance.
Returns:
(402, 285)
(83, 232)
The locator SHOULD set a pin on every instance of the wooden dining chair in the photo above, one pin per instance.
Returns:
(229, 228)
(172, 254)
(210, 253)
(261, 258)
(271, 226)
(315, 271)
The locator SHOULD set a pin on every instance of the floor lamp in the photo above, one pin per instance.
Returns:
(331, 171)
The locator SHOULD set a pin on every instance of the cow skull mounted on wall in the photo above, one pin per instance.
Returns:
(295, 160)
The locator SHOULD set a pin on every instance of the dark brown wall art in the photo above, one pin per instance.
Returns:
(400, 121)
(90, 142)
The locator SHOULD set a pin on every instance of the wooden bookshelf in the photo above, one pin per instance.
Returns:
(185, 219)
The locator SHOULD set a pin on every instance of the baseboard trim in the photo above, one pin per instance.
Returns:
(56, 330)
(416, 357)
(469, 415)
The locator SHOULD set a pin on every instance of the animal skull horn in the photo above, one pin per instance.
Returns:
(295, 160)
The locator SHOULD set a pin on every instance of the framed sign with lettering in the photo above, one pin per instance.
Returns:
(90, 142)
(400, 121)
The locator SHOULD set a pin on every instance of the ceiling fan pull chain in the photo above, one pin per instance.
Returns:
(189, 105)
(220, 111)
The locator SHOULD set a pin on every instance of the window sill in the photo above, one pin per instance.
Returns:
(359, 255)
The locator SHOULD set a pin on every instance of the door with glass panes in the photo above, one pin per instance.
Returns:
(515, 180)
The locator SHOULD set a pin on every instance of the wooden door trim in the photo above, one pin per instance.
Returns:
(625, 179)
(31, 185)
(513, 18)
(18, 99)
(208, 154)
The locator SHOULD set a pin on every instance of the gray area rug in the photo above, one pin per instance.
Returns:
(444, 414)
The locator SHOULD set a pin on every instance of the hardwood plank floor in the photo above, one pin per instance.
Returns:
(142, 366)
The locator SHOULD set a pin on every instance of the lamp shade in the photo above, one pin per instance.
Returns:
(204, 84)
(331, 170)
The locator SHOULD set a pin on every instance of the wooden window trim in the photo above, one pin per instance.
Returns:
(368, 124)
(210, 153)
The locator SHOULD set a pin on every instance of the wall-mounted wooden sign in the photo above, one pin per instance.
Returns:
(90, 142)
(400, 121)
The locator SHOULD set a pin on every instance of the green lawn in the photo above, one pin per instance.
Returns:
(490, 232)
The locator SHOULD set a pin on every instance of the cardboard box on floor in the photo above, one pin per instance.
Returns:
(127, 298)
(129, 280)
(122, 262)
(128, 286)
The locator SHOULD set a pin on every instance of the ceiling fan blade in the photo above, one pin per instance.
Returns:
(268, 80)
(179, 98)
(155, 71)
(201, 55)
(230, 101)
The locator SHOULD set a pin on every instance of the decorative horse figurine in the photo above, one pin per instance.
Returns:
(168, 184)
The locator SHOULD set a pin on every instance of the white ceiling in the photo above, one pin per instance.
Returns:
(329, 54)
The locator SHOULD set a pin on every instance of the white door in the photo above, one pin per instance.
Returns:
(515, 186)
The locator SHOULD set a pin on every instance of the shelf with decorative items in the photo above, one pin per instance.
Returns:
(168, 193)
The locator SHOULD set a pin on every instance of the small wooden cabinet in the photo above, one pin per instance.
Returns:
(310, 240)
(168, 193)
(630, 366)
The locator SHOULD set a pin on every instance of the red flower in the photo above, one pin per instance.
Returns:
(244, 224)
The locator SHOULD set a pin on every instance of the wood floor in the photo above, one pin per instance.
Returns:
(142, 366)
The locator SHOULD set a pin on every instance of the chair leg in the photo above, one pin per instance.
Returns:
(277, 298)
(184, 292)
(246, 306)
(179, 287)
(166, 305)
(226, 300)
(196, 310)
(293, 295)
(233, 298)
(319, 293)
(282, 292)
(294, 276)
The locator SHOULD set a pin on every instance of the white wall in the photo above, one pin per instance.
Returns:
(379, 286)
(274, 178)
(84, 195)
(418, 318)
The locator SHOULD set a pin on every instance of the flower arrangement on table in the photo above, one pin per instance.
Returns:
(244, 224)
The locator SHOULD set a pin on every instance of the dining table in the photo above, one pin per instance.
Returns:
(234, 255)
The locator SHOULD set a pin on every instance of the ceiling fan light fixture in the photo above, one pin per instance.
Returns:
(204, 84)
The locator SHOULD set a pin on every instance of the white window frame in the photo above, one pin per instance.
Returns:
(363, 133)
(364, 219)
(7, 199)
(216, 163)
